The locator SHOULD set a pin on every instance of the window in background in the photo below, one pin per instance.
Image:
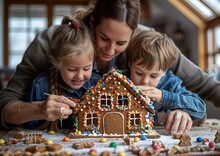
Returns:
(202, 8)
(25, 21)
(214, 52)
(60, 10)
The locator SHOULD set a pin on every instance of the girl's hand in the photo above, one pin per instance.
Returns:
(152, 92)
(56, 106)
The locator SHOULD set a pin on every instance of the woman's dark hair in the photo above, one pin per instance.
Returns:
(127, 11)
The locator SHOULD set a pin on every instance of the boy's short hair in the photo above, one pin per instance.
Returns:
(151, 48)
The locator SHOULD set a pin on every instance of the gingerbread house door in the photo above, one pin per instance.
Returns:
(113, 123)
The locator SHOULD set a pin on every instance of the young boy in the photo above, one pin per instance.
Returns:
(150, 54)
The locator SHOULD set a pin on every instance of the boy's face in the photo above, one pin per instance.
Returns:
(142, 76)
(76, 70)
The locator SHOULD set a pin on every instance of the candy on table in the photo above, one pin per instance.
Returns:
(211, 144)
(136, 139)
(66, 139)
(93, 152)
(103, 140)
(199, 139)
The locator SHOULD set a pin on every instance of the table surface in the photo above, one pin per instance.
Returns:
(169, 142)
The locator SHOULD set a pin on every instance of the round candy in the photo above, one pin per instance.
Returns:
(211, 144)
(2, 141)
(113, 144)
(136, 139)
(51, 132)
(121, 154)
(199, 139)
(49, 142)
(93, 152)
(66, 139)
(176, 147)
(205, 141)
(156, 147)
(143, 137)
(103, 140)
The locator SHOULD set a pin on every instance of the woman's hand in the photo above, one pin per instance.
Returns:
(176, 121)
(56, 107)
(151, 92)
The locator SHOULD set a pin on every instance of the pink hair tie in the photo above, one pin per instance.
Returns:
(74, 24)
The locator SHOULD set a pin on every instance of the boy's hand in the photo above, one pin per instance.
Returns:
(178, 121)
(152, 92)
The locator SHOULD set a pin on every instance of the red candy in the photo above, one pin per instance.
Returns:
(211, 144)
(156, 147)
(205, 141)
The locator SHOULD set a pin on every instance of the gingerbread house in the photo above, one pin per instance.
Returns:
(114, 107)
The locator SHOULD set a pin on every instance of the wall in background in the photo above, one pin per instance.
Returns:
(1, 32)
(164, 15)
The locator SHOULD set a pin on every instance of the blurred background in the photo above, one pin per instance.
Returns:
(194, 25)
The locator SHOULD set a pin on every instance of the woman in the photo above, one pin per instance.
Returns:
(113, 23)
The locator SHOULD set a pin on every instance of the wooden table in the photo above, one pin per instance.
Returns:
(202, 131)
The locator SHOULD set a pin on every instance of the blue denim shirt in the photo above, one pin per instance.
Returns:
(41, 85)
(175, 96)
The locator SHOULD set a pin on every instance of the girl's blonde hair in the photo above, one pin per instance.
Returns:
(72, 37)
(151, 48)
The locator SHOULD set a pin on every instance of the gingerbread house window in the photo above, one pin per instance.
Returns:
(122, 100)
(106, 102)
(92, 121)
(135, 120)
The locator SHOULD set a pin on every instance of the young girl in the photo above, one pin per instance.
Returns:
(72, 54)
(150, 55)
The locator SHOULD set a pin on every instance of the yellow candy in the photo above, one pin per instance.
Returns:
(49, 142)
(68, 153)
(137, 133)
(176, 147)
(2, 141)
(51, 132)
(46, 153)
(79, 133)
(121, 154)
(103, 140)
(136, 139)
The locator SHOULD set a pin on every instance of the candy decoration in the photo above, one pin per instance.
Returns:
(113, 144)
(51, 132)
(211, 144)
(66, 139)
(103, 140)
(205, 141)
(49, 142)
(176, 147)
(121, 154)
(143, 137)
(136, 139)
(2, 141)
(199, 139)
(93, 152)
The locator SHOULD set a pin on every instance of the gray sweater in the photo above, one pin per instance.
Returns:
(35, 61)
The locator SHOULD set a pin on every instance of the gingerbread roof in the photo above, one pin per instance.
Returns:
(114, 74)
